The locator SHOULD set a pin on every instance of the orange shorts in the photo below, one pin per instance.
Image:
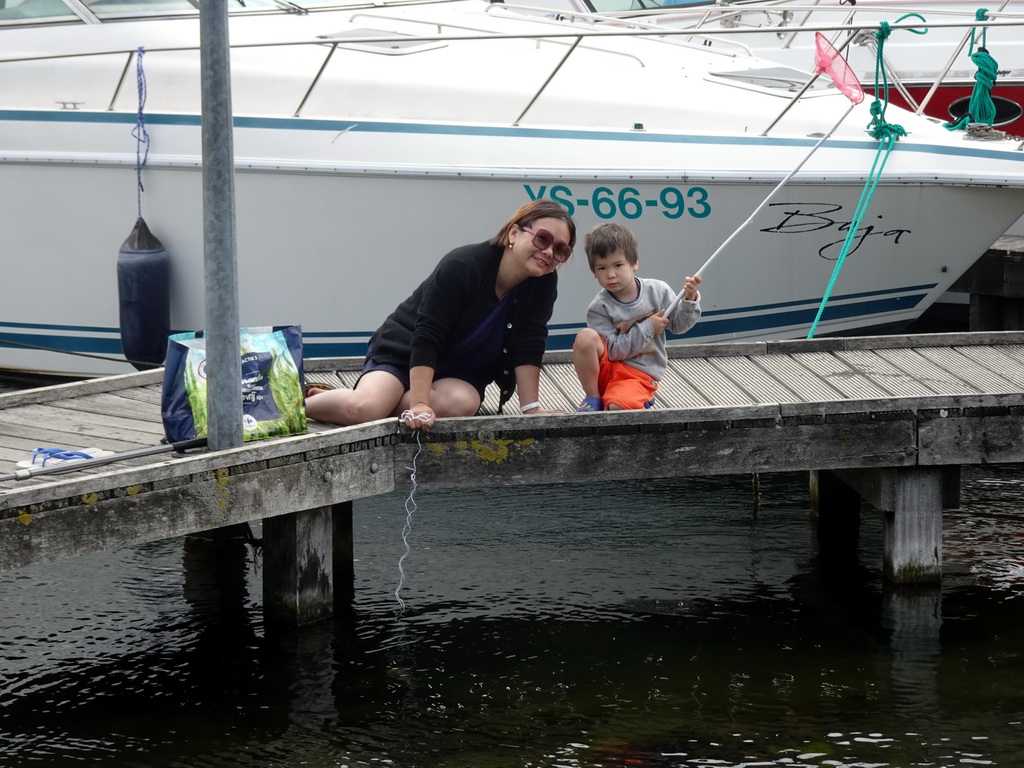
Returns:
(623, 385)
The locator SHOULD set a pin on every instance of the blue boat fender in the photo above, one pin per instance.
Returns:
(143, 283)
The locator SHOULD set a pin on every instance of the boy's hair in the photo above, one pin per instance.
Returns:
(608, 238)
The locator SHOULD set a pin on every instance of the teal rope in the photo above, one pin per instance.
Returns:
(858, 216)
(981, 108)
(878, 127)
(887, 134)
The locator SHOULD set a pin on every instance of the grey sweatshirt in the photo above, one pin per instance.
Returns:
(628, 332)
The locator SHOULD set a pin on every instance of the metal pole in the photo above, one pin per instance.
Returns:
(223, 354)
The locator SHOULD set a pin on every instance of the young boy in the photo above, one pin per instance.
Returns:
(620, 357)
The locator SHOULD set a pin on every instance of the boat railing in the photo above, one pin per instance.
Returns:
(441, 26)
(728, 16)
(636, 23)
(574, 39)
(851, 14)
(65, 12)
(782, 15)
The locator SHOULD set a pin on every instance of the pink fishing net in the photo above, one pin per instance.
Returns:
(828, 60)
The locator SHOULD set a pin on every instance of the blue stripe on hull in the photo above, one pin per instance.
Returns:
(91, 344)
(370, 126)
(797, 317)
(714, 323)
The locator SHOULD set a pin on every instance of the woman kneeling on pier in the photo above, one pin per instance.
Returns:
(480, 317)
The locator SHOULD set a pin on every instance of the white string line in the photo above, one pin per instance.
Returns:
(410, 504)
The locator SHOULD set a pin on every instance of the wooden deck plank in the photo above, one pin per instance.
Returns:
(16, 448)
(348, 378)
(331, 379)
(883, 374)
(80, 388)
(83, 473)
(675, 392)
(489, 407)
(924, 369)
(800, 376)
(151, 395)
(839, 375)
(14, 434)
(70, 412)
(315, 426)
(1007, 361)
(567, 391)
(114, 405)
(60, 434)
(757, 382)
(982, 378)
(707, 381)
(84, 425)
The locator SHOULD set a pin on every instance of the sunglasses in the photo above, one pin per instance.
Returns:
(542, 240)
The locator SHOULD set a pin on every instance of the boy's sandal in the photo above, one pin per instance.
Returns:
(589, 405)
(315, 389)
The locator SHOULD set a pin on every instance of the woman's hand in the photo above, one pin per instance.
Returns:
(419, 416)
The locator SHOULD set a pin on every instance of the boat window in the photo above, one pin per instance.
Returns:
(783, 79)
(22, 11)
(391, 47)
(621, 6)
(1007, 110)
(137, 7)
(567, 6)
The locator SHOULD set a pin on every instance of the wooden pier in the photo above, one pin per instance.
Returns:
(887, 419)
(995, 284)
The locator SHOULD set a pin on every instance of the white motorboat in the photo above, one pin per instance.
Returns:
(369, 139)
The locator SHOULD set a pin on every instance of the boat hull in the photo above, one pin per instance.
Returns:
(335, 246)
(368, 143)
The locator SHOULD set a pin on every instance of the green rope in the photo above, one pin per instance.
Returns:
(878, 127)
(981, 108)
(858, 216)
(887, 135)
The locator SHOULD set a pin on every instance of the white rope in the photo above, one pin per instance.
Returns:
(410, 505)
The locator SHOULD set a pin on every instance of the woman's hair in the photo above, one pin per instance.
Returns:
(607, 238)
(529, 213)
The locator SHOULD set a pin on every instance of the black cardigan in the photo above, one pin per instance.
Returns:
(453, 301)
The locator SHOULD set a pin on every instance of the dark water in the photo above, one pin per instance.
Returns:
(664, 623)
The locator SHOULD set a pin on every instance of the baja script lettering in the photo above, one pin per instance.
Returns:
(800, 218)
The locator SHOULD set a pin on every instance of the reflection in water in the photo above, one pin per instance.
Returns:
(656, 623)
(913, 618)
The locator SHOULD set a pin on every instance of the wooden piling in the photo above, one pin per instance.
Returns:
(910, 499)
(996, 286)
(298, 561)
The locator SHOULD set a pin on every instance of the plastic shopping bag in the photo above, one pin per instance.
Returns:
(272, 384)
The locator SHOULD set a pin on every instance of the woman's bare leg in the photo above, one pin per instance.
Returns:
(374, 398)
(448, 397)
